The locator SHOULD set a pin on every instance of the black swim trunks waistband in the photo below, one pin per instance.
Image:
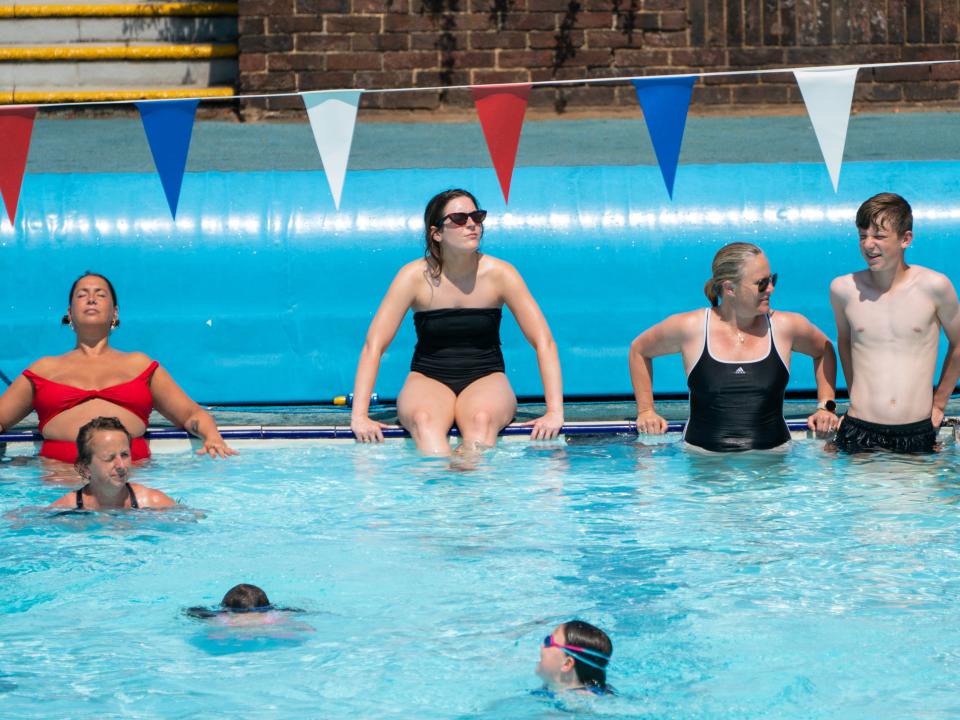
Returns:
(856, 435)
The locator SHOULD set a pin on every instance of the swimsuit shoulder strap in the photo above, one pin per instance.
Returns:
(706, 332)
(80, 497)
(148, 372)
(774, 348)
(133, 497)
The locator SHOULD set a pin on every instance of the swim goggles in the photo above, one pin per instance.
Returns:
(576, 653)
(764, 283)
(460, 218)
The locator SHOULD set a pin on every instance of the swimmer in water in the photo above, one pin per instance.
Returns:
(575, 657)
(246, 604)
(247, 607)
(103, 460)
(242, 601)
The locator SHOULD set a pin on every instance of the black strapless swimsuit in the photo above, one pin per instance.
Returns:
(457, 346)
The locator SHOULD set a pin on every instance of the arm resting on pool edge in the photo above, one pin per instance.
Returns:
(174, 404)
(810, 340)
(383, 328)
(838, 302)
(537, 332)
(948, 313)
(16, 402)
(664, 338)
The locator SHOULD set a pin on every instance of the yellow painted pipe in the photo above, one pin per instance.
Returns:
(25, 97)
(198, 9)
(198, 51)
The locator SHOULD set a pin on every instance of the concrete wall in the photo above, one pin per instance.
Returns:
(295, 45)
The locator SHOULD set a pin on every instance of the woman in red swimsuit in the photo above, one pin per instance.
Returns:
(94, 380)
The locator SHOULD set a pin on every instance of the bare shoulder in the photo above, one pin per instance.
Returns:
(687, 323)
(496, 267)
(785, 318)
(45, 365)
(135, 360)
(68, 500)
(411, 276)
(843, 285)
(413, 269)
(500, 274)
(150, 498)
(791, 324)
(935, 282)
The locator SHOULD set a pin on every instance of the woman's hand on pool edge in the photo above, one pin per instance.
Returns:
(823, 422)
(216, 447)
(649, 423)
(547, 426)
(366, 430)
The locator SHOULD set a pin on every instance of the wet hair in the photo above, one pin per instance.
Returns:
(242, 598)
(585, 635)
(431, 222)
(245, 597)
(65, 320)
(887, 210)
(85, 436)
(728, 266)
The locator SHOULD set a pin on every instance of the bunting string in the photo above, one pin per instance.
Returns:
(622, 79)
(827, 93)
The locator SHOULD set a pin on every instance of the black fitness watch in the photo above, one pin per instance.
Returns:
(828, 405)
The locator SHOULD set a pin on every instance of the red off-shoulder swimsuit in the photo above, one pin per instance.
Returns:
(52, 398)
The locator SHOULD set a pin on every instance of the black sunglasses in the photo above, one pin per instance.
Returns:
(460, 218)
(764, 283)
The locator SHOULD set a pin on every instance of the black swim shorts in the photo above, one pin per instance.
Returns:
(855, 435)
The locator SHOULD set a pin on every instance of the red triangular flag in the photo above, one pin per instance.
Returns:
(16, 125)
(501, 109)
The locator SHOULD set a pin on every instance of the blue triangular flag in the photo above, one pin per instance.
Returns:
(665, 102)
(168, 124)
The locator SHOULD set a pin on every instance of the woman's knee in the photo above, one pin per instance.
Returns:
(480, 420)
(420, 420)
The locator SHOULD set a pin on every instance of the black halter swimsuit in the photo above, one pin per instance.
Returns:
(133, 497)
(735, 405)
(457, 346)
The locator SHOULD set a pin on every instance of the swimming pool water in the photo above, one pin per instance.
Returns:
(793, 586)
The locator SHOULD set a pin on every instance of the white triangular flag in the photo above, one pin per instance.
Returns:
(332, 118)
(828, 95)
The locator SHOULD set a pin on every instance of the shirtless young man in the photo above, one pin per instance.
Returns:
(888, 327)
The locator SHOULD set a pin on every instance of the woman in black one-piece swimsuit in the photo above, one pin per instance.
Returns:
(737, 357)
(457, 373)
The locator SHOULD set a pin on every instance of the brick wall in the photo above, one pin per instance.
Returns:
(297, 45)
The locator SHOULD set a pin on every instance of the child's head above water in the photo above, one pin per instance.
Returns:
(245, 597)
(240, 601)
(575, 656)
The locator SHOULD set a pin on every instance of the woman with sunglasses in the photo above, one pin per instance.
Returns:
(575, 657)
(737, 357)
(457, 373)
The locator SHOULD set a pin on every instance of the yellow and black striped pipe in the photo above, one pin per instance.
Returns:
(189, 9)
(193, 51)
(41, 97)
